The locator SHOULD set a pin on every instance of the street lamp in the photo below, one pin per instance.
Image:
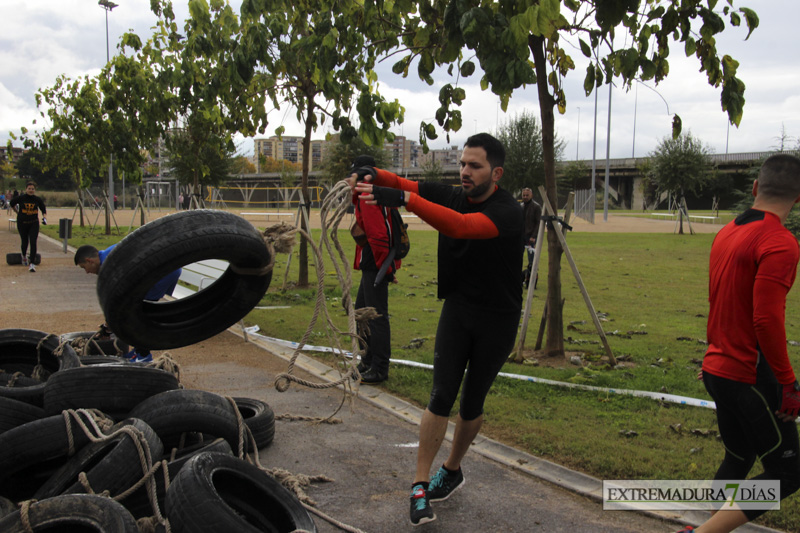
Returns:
(578, 144)
(107, 5)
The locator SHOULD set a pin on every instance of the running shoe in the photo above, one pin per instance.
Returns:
(24, 261)
(31, 268)
(135, 357)
(373, 377)
(421, 510)
(444, 483)
(143, 358)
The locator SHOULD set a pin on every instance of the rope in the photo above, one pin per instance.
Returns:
(168, 364)
(305, 418)
(91, 426)
(24, 514)
(336, 202)
(12, 381)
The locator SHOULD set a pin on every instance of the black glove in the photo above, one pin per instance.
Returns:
(365, 173)
(386, 196)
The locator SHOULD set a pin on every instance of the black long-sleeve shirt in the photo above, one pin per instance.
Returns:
(29, 207)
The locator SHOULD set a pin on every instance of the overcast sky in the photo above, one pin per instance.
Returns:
(41, 39)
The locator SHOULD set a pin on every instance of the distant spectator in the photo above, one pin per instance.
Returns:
(28, 221)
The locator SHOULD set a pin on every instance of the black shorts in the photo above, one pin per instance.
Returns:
(749, 430)
(471, 343)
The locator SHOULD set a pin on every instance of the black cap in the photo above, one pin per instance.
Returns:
(364, 160)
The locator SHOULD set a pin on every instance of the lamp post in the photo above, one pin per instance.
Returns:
(107, 5)
(578, 144)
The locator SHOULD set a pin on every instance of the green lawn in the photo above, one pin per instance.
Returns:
(651, 290)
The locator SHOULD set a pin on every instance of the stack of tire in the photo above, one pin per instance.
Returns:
(55, 471)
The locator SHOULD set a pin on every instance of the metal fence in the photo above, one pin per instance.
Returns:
(584, 204)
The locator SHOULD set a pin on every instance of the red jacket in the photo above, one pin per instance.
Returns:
(376, 223)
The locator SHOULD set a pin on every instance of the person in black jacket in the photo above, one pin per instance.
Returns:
(28, 206)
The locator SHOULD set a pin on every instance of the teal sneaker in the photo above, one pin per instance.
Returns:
(421, 510)
(444, 483)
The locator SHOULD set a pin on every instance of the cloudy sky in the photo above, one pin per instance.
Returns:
(41, 39)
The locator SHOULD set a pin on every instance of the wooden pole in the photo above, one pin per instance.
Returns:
(549, 210)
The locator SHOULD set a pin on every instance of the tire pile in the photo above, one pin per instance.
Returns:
(79, 435)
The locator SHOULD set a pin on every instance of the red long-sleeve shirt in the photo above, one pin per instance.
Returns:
(753, 265)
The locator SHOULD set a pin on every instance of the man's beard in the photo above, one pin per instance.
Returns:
(479, 190)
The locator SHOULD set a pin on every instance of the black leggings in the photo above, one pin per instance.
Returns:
(750, 430)
(28, 233)
(471, 339)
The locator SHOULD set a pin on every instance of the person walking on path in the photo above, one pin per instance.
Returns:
(374, 239)
(28, 206)
(480, 280)
(746, 369)
(532, 213)
(90, 259)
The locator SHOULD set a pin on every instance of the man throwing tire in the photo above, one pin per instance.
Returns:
(480, 281)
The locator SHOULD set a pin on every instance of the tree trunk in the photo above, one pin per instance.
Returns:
(554, 345)
(302, 278)
(80, 204)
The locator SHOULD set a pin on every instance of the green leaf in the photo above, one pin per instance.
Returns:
(677, 125)
(752, 20)
(587, 51)
(467, 68)
(690, 47)
(588, 81)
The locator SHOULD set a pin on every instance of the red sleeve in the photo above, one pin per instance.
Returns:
(384, 178)
(769, 310)
(452, 223)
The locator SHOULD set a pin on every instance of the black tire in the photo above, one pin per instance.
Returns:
(173, 413)
(215, 492)
(16, 259)
(6, 507)
(139, 504)
(73, 512)
(113, 465)
(23, 350)
(41, 442)
(15, 413)
(89, 360)
(111, 346)
(260, 418)
(113, 389)
(154, 250)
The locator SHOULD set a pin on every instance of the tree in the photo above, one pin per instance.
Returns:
(574, 173)
(198, 158)
(680, 165)
(523, 43)
(431, 170)
(242, 165)
(524, 166)
(339, 158)
(311, 56)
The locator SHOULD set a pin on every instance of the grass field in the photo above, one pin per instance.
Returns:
(650, 289)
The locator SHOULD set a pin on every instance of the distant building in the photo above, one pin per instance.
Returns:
(16, 153)
(402, 152)
(444, 157)
(288, 148)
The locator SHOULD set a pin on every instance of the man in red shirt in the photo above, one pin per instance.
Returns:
(746, 369)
